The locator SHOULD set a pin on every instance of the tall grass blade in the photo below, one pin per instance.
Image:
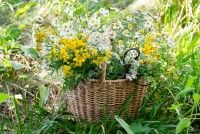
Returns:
(18, 115)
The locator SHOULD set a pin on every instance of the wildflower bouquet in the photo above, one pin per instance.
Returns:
(87, 39)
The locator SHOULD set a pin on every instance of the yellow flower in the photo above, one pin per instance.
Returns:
(170, 71)
(141, 31)
(63, 54)
(94, 52)
(108, 54)
(78, 49)
(67, 70)
(40, 36)
(157, 56)
(22, 26)
(148, 49)
(120, 42)
(81, 55)
(148, 46)
(149, 39)
(148, 61)
(101, 59)
(51, 30)
(79, 61)
(39, 46)
(130, 26)
(141, 62)
(72, 43)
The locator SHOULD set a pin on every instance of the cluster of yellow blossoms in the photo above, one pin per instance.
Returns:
(40, 36)
(77, 48)
(148, 46)
(150, 51)
(67, 70)
(75, 52)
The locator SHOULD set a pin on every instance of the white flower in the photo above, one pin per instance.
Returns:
(134, 76)
(133, 71)
(103, 11)
(18, 96)
(101, 41)
(69, 11)
(67, 29)
(170, 43)
(54, 22)
(128, 77)
(94, 21)
(130, 57)
(134, 64)
(137, 35)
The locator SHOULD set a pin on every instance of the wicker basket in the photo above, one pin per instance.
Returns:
(91, 96)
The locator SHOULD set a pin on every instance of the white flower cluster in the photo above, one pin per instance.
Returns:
(133, 71)
(101, 41)
(130, 59)
(94, 21)
(66, 29)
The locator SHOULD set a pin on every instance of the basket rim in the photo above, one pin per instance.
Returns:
(113, 81)
(116, 81)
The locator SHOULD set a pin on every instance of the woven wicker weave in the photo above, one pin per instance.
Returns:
(91, 96)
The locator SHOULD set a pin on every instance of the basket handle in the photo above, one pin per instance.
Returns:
(136, 58)
(103, 72)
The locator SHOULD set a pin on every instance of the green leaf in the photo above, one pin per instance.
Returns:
(184, 123)
(26, 7)
(16, 65)
(4, 97)
(196, 98)
(188, 87)
(194, 41)
(190, 82)
(124, 125)
(44, 93)
(31, 52)
(176, 106)
(7, 63)
(185, 91)
(14, 32)
(139, 128)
